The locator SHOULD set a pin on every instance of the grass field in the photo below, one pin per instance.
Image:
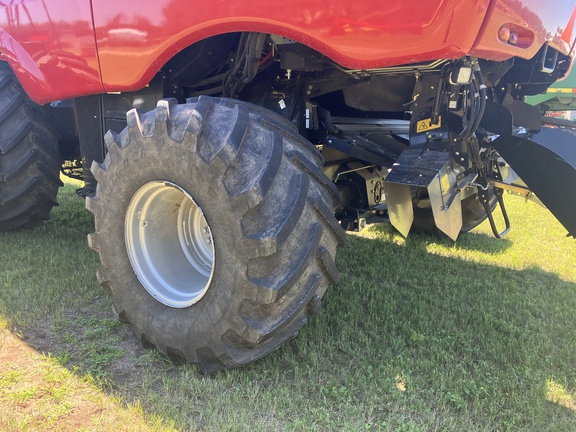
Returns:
(420, 334)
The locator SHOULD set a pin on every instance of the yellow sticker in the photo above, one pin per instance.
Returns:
(445, 184)
(426, 125)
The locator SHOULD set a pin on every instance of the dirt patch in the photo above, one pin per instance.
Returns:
(91, 341)
(39, 394)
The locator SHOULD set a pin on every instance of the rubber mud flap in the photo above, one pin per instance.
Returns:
(547, 164)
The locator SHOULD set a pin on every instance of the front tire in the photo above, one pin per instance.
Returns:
(30, 160)
(266, 257)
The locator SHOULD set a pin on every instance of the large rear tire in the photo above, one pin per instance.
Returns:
(215, 229)
(30, 160)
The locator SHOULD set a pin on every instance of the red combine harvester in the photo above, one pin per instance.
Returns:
(227, 146)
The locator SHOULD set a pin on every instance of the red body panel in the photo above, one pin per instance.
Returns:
(51, 43)
(358, 35)
(538, 21)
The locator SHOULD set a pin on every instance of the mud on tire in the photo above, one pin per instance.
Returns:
(29, 158)
(269, 209)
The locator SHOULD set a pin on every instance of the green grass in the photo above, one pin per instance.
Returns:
(420, 334)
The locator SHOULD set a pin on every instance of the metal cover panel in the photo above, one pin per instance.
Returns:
(417, 168)
(547, 164)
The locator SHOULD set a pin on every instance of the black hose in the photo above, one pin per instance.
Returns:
(438, 100)
(478, 104)
(230, 81)
(482, 86)
(254, 52)
(468, 130)
(247, 63)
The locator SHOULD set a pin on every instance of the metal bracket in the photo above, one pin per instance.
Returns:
(486, 204)
(548, 65)
(431, 170)
(484, 196)
(524, 192)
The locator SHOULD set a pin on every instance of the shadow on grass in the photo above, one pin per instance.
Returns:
(407, 340)
(472, 241)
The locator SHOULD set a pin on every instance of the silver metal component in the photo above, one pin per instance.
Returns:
(446, 204)
(352, 170)
(281, 40)
(373, 178)
(169, 243)
(519, 190)
(400, 210)
(351, 124)
(513, 184)
(480, 186)
(431, 170)
(548, 64)
(461, 75)
(395, 70)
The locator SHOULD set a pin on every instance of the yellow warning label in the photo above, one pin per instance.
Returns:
(445, 184)
(426, 125)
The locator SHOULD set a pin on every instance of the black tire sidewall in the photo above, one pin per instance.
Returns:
(214, 311)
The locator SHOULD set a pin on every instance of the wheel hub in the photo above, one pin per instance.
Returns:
(169, 243)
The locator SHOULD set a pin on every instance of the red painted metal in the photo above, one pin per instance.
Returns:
(546, 21)
(59, 49)
(136, 38)
(50, 45)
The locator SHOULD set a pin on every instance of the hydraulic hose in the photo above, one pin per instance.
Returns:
(482, 88)
(478, 102)
(254, 52)
(247, 63)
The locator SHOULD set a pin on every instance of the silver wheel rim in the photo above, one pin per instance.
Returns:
(169, 243)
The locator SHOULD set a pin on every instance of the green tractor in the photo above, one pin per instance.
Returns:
(560, 96)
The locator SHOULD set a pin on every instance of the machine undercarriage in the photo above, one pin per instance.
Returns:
(429, 146)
